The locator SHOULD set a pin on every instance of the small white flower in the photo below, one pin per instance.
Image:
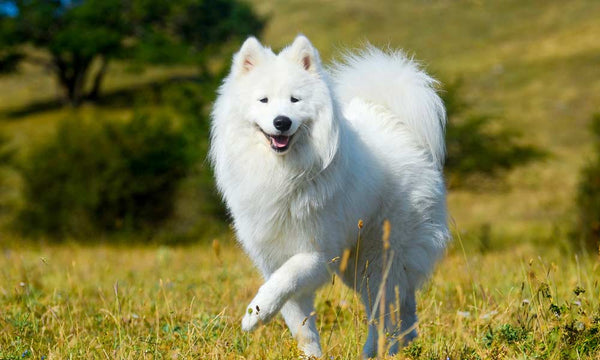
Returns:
(464, 314)
(488, 315)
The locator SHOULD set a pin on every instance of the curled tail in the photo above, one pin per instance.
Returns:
(397, 82)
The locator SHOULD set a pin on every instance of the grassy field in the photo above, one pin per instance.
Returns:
(511, 286)
(107, 302)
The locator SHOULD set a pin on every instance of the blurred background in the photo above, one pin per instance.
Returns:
(104, 111)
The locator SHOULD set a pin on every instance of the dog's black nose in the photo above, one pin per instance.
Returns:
(282, 123)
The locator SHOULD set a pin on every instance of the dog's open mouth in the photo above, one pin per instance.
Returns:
(279, 143)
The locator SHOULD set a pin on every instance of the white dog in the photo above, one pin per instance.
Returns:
(301, 156)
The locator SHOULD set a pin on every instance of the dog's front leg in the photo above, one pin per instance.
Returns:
(301, 274)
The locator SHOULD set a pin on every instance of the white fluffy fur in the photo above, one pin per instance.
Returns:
(367, 144)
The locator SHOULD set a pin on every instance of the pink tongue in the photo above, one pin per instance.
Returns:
(280, 141)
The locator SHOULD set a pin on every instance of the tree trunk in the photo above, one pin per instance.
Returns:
(95, 92)
(71, 75)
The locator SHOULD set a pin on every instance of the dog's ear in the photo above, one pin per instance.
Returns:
(326, 136)
(249, 56)
(304, 53)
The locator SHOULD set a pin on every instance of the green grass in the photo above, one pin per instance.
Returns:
(107, 302)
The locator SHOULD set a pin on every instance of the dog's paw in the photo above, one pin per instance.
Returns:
(251, 319)
(261, 309)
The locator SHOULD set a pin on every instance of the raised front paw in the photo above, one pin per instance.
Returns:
(251, 319)
(261, 309)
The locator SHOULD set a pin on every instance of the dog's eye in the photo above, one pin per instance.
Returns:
(294, 100)
(264, 100)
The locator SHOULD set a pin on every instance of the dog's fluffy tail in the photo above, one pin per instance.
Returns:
(397, 82)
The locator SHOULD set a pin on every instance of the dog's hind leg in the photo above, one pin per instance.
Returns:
(399, 324)
(408, 319)
(408, 322)
(299, 316)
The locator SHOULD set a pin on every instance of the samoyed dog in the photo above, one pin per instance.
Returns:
(302, 153)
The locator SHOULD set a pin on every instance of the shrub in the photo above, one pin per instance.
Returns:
(6, 159)
(588, 196)
(6, 151)
(200, 212)
(475, 147)
(104, 176)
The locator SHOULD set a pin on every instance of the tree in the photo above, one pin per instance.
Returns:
(79, 33)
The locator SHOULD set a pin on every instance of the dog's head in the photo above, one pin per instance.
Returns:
(285, 99)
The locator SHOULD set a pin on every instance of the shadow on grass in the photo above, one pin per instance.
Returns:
(150, 92)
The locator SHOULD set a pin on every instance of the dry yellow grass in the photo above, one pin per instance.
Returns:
(99, 301)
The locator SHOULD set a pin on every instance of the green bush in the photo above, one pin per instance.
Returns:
(104, 176)
(6, 158)
(6, 151)
(200, 212)
(588, 196)
(475, 147)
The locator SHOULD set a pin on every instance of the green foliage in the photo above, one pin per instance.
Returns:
(475, 147)
(9, 62)
(205, 23)
(205, 212)
(588, 196)
(104, 176)
(506, 333)
(6, 151)
(78, 33)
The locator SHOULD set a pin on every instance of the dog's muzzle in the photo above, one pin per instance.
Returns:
(279, 143)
